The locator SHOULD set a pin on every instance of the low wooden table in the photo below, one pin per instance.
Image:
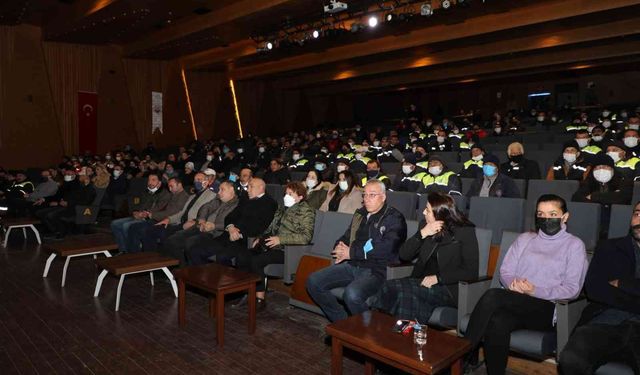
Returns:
(218, 280)
(77, 246)
(371, 333)
(128, 264)
(24, 223)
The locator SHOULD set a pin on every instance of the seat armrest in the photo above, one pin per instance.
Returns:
(399, 271)
(292, 256)
(469, 293)
(567, 314)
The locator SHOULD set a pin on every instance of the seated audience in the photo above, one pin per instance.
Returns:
(518, 167)
(249, 219)
(361, 256)
(472, 168)
(316, 189)
(493, 183)
(210, 224)
(570, 165)
(374, 172)
(154, 199)
(410, 177)
(625, 164)
(439, 178)
(609, 329)
(604, 185)
(344, 196)
(539, 268)
(277, 173)
(446, 249)
(25, 203)
(583, 138)
(184, 218)
(291, 225)
(630, 139)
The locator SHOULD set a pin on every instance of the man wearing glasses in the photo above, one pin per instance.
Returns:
(361, 256)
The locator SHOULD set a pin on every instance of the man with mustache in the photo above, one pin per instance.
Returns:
(609, 329)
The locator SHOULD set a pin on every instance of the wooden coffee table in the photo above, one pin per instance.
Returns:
(218, 280)
(128, 264)
(371, 334)
(77, 246)
(9, 224)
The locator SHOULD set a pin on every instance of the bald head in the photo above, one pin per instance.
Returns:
(256, 187)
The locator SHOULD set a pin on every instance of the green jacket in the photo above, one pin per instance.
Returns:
(293, 225)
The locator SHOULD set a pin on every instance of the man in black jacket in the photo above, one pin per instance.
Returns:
(74, 192)
(493, 183)
(250, 218)
(362, 254)
(609, 329)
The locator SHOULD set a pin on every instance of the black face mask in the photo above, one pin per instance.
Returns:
(549, 226)
(516, 158)
(372, 174)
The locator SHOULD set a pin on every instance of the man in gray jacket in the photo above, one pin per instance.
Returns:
(177, 201)
(184, 219)
(32, 201)
(210, 224)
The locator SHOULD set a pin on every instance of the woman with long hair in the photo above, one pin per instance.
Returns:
(446, 249)
(345, 196)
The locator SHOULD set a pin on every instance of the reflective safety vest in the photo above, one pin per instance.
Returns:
(453, 135)
(364, 159)
(628, 164)
(464, 146)
(592, 150)
(422, 136)
(21, 187)
(442, 179)
(348, 156)
(379, 178)
(423, 164)
(575, 127)
(300, 163)
(467, 164)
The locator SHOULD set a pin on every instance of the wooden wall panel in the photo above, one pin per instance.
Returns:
(29, 133)
(205, 90)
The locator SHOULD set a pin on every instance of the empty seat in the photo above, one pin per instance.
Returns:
(276, 192)
(620, 220)
(404, 202)
(448, 156)
(466, 184)
(522, 187)
(636, 192)
(536, 188)
(298, 175)
(497, 214)
(455, 167)
(394, 168)
(584, 222)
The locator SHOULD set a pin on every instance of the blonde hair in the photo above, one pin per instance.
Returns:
(513, 145)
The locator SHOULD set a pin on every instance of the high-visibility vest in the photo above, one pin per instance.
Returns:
(347, 156)
(470, 162)
(442, 179)
(592, 150)
(628, 164)
(300, 163)
(379, 178)
(464, 146)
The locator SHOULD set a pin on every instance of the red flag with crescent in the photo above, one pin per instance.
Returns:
(87, 121)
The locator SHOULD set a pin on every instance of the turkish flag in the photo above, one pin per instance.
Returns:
(87, 121)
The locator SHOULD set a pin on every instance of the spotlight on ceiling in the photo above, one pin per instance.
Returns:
(426, 9)
(373, 21)
(269, 45)
(389, 17)
(446, 4)
(315, 34)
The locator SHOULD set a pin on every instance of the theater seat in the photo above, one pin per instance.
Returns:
(614, 368)
(620, 219)
(405, 202)
(499, 214)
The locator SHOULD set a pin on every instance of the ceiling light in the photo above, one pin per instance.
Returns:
(446, 4)
(315, 34)
(269, 45)
(373, 21)
(426, 9)
(389, 17)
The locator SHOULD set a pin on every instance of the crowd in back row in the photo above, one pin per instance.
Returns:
(208, 199)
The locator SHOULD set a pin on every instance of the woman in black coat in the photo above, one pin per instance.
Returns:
(446, 249)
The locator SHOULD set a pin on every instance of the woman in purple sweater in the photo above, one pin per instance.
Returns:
(539, 268)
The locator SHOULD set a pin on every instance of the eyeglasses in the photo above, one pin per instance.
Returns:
(370, 195)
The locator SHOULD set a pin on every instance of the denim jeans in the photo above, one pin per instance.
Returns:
(359, 284)
(135, 234)
(120, 229)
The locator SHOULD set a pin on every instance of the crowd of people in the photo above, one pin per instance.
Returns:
(205, 201)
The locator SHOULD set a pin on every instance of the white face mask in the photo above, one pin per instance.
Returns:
(582, 142)
(435, 171)
(69, 177)
(240, 150)
(429, 123)
(634, 126)
(624, 114)
(497, 130)
(606, 123)
(406, 169)
(477, 158)
(440, 139)
(153, 190)
(344, 185)
(603, 175)
(540, 118)
(117, 173)
(569, 157)
(376, 143)
(296, 157)
(614, 155)
(289, 200)
(456, 131)
(605, 113)
(108, 157)
(341, 168)
(597, 138)
(261, 149)
(359, 156)
(630, 141)
(209, 157)
(311, 183)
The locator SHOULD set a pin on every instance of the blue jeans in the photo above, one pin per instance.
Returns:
(135, 234)
(359, 284)
(120, 229)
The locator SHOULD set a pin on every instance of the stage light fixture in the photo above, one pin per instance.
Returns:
(269, 46)
(315, 34)
(445, 4)
(389, 17)
(373, 21)
(426, 9)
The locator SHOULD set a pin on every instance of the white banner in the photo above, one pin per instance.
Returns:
(156, 111)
